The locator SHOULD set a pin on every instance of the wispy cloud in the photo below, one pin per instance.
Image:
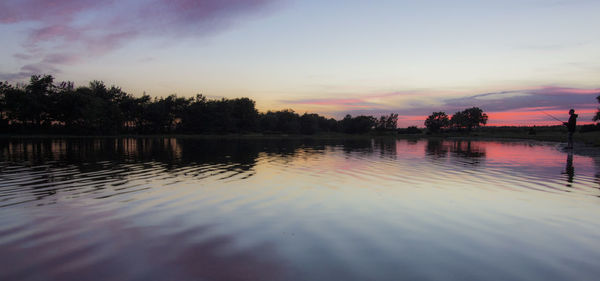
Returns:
(364, 102)
(333, 102)
(548, 97)
(83, 28)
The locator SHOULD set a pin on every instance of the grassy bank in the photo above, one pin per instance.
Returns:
(554, 134)
(209, 136)
(550, 133)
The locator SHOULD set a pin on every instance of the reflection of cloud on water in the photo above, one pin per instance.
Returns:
(597, 166)
(70, 243)
(524, 160)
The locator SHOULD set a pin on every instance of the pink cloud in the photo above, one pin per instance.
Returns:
(538, 117)
(364, 101)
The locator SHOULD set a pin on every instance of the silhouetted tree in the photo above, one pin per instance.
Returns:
(437, 121)
(288, 121)
(161, 115)
(387, 122)
(597, 116)
(244, 114)
(4, 87)
(38, 96)
(469, 118)
(133, 109)
(328, 125)
(44, 106)
(358, 125)
(309, 123)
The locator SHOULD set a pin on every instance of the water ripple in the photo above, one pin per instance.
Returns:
(288, 210)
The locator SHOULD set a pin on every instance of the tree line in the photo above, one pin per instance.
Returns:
(467, 119)
(43, 106)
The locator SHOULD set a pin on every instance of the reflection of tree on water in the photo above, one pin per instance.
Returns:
(357, 145)
(387, 146)
(45, 166)
(596, 160)
(113, 165)
(93, 154)
(468, 149)
(436, 149)
(464, 152)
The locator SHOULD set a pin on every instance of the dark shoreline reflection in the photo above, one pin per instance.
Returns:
(173, 152)
(44, 166)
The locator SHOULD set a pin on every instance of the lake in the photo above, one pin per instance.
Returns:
(297, 209)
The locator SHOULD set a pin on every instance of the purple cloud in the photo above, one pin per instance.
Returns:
(15, 76)
(83, 28)
(60, 58)
(546, 98)
(22, 56)
(13, 11)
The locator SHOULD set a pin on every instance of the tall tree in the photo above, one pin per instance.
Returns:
(41, 106)
(469, 118)
(358, 125)
(597, 116)
(437, 121)
(38, 98)
(387, 122)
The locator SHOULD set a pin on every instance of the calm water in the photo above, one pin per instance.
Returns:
(186, 209)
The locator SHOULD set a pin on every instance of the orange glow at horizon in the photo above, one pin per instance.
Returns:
(527, 117)
(530, 118)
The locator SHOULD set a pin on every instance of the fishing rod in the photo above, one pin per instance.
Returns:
(551, 116)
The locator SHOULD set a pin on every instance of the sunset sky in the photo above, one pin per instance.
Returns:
(513, 58)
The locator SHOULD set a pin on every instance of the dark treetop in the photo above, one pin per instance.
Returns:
(43, 106)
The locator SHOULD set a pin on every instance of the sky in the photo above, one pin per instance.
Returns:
(518, 60)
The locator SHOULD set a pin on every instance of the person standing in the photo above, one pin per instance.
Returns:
(571, 126)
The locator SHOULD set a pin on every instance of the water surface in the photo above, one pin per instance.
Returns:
(193, 209)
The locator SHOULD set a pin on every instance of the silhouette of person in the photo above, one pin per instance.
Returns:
(571, 126)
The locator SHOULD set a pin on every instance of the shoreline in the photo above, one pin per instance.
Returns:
(592, 138)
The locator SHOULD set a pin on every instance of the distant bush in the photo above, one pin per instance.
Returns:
(412, 130)
(589, 128)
